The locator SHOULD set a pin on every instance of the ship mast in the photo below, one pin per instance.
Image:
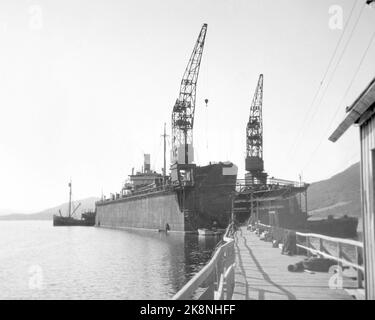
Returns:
(165, 154)
(70, 198)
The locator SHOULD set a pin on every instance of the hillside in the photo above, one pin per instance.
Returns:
(86, 204)
(338, 196)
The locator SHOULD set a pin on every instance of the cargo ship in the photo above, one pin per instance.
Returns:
(201, 197)
(191, 197)
(87, 218)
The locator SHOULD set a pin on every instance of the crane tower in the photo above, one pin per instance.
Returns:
(254, 139)
(183, 110)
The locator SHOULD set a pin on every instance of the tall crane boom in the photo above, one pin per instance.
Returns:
(184, 108)
(254, 145)
(254, 138)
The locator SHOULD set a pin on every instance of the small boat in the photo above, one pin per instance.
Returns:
(59, 221)
(209, 233)
(87, 218)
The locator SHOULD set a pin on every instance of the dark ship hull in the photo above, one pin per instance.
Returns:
(184, 207)
(280, 206)
(344, 227)
(87, 220)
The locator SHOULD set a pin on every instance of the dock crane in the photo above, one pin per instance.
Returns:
(182, 155)
(184, 108)
(254, 139)
(244, 206)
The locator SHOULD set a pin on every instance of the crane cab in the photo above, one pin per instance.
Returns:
(183, 174)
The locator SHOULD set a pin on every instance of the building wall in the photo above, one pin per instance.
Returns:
(367, 134)
(151, 212)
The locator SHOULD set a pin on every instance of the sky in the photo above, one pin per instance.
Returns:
(86, 86)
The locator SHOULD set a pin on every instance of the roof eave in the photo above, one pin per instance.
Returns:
(355, 111)
(349, 120)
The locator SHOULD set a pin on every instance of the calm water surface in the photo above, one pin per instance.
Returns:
(38, 261)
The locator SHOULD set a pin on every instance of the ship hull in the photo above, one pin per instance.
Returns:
(59, 221)
(184, 209)
(150, 211)
(336, 227)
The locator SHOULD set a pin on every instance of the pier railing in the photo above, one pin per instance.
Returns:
(216, 280)
(273, 182)
(346, 252)
(242, 185)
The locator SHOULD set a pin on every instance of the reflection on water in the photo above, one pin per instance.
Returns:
(197, 252)
(38, 261)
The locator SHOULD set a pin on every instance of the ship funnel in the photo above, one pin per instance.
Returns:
(147, 163)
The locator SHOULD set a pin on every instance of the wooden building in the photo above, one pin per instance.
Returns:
(362, 113)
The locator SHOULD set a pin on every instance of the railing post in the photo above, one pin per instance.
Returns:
(217, 276)
(359, 271)
(339, 263)
(308, 246)
(297, 247)
(321, 246)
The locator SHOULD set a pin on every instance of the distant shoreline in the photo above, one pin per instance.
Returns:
(16, 217)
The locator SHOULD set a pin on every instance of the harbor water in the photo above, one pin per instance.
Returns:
(39, 261)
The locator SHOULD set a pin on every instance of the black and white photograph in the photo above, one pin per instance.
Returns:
(206, 151)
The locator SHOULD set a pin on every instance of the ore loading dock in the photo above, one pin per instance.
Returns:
(279, 253)
(269, 251)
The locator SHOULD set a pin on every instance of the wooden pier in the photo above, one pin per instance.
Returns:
(262, 274)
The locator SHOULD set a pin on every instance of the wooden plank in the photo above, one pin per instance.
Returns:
(367, 186)
(261, 273)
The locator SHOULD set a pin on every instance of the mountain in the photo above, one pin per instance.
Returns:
(4, 211)
(86, 204)
(337, 196)
(340, 195)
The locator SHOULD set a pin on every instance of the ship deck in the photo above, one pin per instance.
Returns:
(262, 274)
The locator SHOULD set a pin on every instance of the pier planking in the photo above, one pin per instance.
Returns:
(262, 274)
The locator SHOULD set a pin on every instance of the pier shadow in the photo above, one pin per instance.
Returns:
(240, 263)
(265, 276)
